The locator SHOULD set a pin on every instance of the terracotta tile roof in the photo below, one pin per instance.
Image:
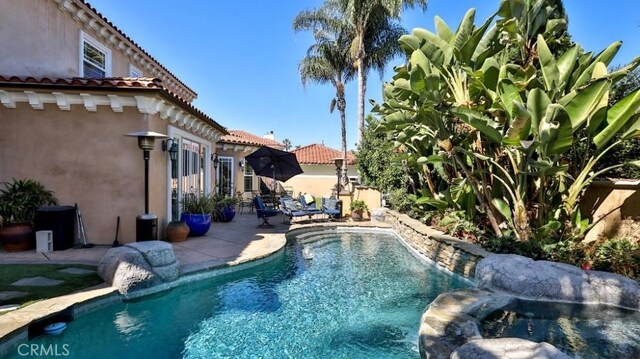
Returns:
(317, 154)
(246, 138)
(147, 82)
(135, 44)
(107, 83)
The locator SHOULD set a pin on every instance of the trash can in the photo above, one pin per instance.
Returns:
(61, 221)
(146, 227)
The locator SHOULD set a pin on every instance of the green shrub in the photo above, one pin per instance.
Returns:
(401, 201)
(455, 224)
(566, 251)
(618, 256)
(511, 245)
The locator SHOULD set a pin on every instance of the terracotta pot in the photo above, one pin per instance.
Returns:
(17, 237)
(177, 231)
(356, 216)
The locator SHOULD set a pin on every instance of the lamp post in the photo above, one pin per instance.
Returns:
(147, 223)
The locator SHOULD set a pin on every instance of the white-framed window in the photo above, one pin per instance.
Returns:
(95, 58)
(248, 177)
(135, 72)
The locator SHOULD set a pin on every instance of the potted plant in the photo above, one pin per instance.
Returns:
(358, 207)
(224, 208)
(196, 212)
(19, 201)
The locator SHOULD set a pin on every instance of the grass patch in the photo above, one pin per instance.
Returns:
(10, 273)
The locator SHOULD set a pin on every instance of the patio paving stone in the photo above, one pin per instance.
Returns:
(11, 294)
(77, 271)
(37, 282)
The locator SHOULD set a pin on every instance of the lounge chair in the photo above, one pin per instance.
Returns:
(308, 203)
(263, 212)
(291, 208)
(330, 208)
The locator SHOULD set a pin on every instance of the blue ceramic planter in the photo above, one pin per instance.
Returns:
(198, 223)
(228, 212)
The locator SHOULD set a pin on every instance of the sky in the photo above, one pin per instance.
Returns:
(243, 60)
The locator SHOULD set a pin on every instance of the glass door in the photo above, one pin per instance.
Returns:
(188, 173)
(225, 176)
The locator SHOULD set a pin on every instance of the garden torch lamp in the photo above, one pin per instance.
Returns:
(147, 223)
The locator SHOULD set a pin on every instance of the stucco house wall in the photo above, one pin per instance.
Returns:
(68, 132)
(42, 39)
(318, 180)
(96, 167)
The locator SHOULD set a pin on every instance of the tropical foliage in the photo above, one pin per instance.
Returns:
(488, 136)
(377, 164)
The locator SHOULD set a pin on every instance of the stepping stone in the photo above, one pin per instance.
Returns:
(8, 307)
(78, 271)
(37, 282)
(11, 294)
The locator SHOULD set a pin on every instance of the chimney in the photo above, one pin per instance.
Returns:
(270, 136)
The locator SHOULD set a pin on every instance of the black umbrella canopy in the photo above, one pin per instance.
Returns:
(276, 164)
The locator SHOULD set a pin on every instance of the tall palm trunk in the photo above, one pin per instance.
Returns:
(362, 89)
(342, 106)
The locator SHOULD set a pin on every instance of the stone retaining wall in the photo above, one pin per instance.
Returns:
(456, 255)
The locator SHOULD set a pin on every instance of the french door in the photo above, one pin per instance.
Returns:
(225, 176)
(190, 172)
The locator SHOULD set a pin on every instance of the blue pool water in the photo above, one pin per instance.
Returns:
(581, 331)
(361, 296)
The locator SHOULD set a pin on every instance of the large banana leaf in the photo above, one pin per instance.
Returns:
(586, 102)
(550, 71)
(617, 117)
(537, 103)
(482, 123)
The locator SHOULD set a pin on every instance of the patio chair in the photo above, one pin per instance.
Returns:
(308, 203)
(246, 200)
(263, 212)
(291, 209)
(331, 209)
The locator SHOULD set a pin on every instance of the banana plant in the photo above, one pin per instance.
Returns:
(472, 122)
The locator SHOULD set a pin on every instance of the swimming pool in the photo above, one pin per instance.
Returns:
(361, 296)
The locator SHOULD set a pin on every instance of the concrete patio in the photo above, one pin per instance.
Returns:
(226, 243)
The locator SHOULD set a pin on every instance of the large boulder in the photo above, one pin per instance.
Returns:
(543, 280)
(138, 266)
(378, 214)
(507, 348)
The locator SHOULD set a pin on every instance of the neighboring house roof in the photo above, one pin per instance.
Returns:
(146, 84)
(246, 138)
(317, 154)
(63, 4)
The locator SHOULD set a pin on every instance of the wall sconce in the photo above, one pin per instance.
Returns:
(171, 146)
(241, 164)
(215, 160)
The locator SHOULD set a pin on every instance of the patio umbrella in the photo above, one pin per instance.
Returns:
(276, 164)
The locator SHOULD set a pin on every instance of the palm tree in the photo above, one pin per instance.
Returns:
(328, 61)
(287, 144)
(374, 39)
